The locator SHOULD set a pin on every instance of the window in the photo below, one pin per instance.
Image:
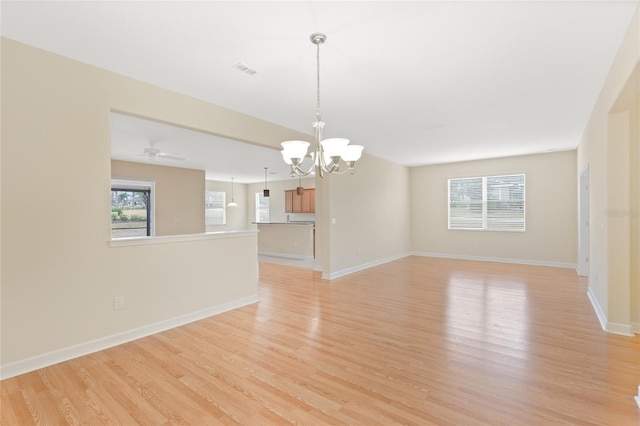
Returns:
(494, 203)
(214, 210)
(131, 209)
(262, 207)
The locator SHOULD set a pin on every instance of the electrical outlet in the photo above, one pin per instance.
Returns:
(118, 303)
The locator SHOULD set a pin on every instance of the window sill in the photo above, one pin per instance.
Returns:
(141, 241)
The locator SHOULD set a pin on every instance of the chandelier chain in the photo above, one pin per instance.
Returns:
(318, 76)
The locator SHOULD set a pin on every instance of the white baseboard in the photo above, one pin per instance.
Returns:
(602, 318)
(285, 255)
(65, 354)
(497, 259)
(348, 271)
(362, 267)
(608, 326)
(635, 327)
(617, 328)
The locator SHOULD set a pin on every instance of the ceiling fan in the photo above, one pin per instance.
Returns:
(153, 153)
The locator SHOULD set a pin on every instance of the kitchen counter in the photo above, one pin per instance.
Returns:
(288, 239)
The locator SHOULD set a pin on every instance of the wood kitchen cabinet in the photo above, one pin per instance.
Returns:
(305, 203)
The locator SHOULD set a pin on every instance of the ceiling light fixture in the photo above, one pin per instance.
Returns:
(300, 188)
(328, 152)
(265, 192)
(232, 203)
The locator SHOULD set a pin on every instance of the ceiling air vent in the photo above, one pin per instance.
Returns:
(245, 68)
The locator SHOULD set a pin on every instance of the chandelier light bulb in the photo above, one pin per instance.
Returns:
(334, 147)
(294, 150)
(352, 153)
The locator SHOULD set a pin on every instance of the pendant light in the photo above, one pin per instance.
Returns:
(265, 192)
(232, 203)
(299, 189)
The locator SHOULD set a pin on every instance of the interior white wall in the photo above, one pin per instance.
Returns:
(371, 213)
(59, 275)
(618, 218)
(624, 224)
(634, 202)
(607, 146)
(551, 211)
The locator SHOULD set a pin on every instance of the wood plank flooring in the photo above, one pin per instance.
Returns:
(417, 341)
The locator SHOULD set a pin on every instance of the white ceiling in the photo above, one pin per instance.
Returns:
(419, 82)
(222, 159)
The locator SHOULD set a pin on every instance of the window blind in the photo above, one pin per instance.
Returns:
(495, 203)
(215, 211)
(262, 208)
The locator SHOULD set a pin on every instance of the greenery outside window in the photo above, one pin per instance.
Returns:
(131, 209)
(493, 203)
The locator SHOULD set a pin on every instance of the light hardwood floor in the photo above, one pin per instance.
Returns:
(416, 341)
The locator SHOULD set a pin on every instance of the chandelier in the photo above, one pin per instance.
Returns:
(328, 154)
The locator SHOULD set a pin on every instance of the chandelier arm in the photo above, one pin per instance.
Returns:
(330, 168)
(335, 169)
(350, 169)
(300, 172)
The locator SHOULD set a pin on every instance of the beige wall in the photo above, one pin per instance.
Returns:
(634, 201)
(609, 147)
(236, 216)
(371, 213)
(178, 197)
(551, 200)
(624, 229)
(59, 275)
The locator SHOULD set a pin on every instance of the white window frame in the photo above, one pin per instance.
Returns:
(485, 226)
(223, 209)
(151, 208)
(260, 196)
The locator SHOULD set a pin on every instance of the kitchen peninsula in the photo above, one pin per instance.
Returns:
(295, 239)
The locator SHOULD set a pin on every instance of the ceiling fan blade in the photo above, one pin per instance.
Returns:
(167, 156)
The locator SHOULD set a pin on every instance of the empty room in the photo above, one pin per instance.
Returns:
(322, 213)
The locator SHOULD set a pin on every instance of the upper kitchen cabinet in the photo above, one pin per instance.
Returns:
(305, 203)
